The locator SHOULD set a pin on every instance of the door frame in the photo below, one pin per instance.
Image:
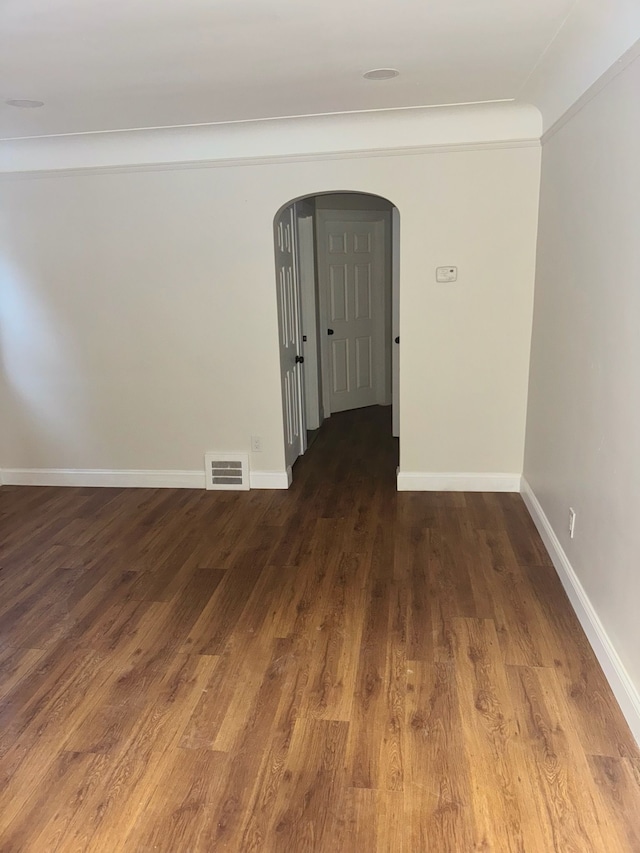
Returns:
(295, 237)
(383, 326)
(395, 321)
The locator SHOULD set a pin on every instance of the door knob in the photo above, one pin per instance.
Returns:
(398, 339)
(299, 359)
(329, 331)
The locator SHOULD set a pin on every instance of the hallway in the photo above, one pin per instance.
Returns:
(338, 667)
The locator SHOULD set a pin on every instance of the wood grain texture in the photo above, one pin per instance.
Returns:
(339, 667)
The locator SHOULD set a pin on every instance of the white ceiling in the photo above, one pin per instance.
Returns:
(112, 64)
(116, 64)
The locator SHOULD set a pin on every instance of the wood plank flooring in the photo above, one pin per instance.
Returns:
(334, 668)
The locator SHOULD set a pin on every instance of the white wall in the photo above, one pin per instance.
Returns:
(465, 346)
(583, 429)
(139, 318)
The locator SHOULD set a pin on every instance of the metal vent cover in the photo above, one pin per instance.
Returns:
(226, 471)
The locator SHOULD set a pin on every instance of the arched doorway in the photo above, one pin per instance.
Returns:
(337, 274)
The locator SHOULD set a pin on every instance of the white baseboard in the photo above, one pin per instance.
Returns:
(130, 479)
(422, 481)
(101, 477)
(623, 688)
(270, 479)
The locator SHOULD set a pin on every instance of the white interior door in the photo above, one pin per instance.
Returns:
(305, 243)
(290, 336)
(352, 271)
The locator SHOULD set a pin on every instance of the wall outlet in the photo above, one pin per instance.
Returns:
(256, 444)
(572, 522)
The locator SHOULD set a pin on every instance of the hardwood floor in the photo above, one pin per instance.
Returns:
(334, 668)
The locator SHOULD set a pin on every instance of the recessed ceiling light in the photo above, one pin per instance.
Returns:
(381, 74)
(24, 103)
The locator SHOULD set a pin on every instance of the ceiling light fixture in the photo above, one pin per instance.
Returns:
(23, 103)
(381, 74)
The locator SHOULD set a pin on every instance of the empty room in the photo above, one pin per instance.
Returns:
(319, 426)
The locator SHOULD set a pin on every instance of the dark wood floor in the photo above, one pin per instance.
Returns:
(334, 668)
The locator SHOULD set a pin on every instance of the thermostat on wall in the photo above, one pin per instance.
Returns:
(446, 273)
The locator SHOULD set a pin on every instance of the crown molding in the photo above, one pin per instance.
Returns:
(374, 134)
(272, 160)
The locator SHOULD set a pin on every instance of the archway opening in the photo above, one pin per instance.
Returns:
(338, 289)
